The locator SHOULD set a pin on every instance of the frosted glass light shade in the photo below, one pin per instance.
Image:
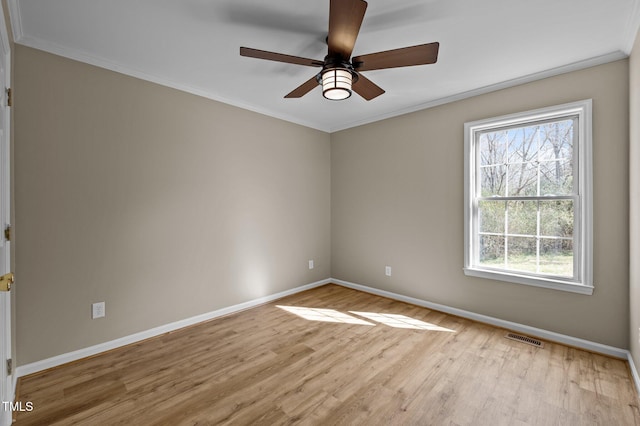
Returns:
(336, 84)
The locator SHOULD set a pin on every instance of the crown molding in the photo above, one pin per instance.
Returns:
(80, 56)
(576, 66)
(87, 58)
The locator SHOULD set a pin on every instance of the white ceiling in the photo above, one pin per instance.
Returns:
(193, 45)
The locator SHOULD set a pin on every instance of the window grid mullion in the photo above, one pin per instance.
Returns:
(538, 202)
(506, 160)
(506, 235)
(538, 236)
(501, 234)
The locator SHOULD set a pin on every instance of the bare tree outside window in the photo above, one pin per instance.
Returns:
(525, 221)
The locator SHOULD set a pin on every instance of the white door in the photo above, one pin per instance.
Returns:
(6, 379)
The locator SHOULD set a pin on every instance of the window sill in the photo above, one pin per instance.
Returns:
(526, 280)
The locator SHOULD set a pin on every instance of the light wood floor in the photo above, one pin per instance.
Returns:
(269, 366)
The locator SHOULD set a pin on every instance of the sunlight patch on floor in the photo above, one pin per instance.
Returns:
(325, 315)
(401, 321)
(392, 320)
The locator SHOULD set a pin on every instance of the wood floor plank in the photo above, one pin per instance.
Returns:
(333, 355)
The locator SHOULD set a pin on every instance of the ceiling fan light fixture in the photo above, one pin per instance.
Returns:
(336, 83)
(340, 72)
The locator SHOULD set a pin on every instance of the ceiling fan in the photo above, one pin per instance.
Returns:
(340, 73)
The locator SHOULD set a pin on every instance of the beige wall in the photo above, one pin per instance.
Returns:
(163, 204)
(167, 205)
(634, 201)
(397, 199)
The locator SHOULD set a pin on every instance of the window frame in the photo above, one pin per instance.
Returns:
(583, 208)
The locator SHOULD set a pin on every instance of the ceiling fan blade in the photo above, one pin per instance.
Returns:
(345, 18)
(304, 88)
(367, 88)
(279, 57)
(421, 54)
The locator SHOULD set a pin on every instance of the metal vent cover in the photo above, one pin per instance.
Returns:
(525, 339)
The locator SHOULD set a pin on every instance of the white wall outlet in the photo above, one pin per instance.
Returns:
(97, 310)
(638, 335)
(311, 264)
(387, 271)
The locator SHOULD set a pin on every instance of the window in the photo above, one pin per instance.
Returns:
(528, 198)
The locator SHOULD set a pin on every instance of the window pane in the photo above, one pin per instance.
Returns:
(556, 218)
(491, 250)
(523, 144)
(523, 179)
(556, 177)
(492, 148)
(494, 179)
(523, 217)
(556, 140)
(491, 216)
(521, 254)
(556, 257)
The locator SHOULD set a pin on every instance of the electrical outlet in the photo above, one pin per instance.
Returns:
(387, 271)
(638, 335)
(311, 264)
(97, 310)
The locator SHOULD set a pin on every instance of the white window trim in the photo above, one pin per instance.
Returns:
(585, 190)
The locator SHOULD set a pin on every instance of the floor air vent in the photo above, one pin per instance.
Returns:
(524, 339)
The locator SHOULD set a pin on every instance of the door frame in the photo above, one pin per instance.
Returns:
(7, 381)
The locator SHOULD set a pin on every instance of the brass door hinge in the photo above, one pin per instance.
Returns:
(9, 366)
(9, 97)
(7, 233)
(5, 281)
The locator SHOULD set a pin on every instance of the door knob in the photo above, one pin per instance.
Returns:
(5, 281)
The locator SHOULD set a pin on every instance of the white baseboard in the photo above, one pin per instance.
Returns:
(44, 364)
(34, 367)
(634, 372)
(531, 331)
